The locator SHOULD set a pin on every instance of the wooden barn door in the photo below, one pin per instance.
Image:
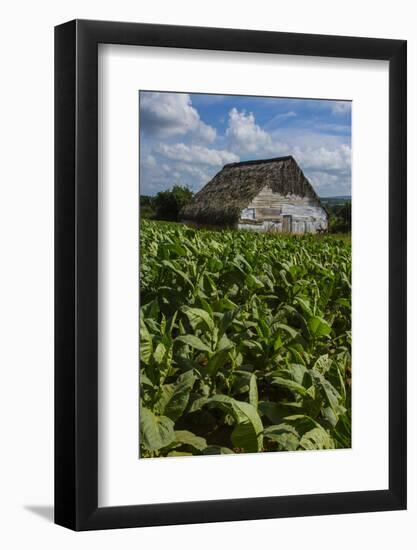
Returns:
(286, 224)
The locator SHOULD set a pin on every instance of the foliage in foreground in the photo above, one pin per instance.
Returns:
(245, 342)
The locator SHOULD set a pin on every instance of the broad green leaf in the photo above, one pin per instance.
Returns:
(224, 344)
(216, 362)
(198, 403)
(286, 441)
(174, 397)
(317, 438)
(146, 347)
(156, 431)
(313, 435)
(193, 341)
(289, 384)
(323, 364)
(273, 411)
(292, 332)
(300, 374)
(244, 437)
(184, 437)
(226, 320)
(159, 353)
(281, 428)
(197, 316)
(285, 435)
(253, 282)
(319, 327)
(249, 424)
(305, 305)
(144, 380)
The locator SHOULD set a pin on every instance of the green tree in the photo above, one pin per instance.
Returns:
(340, 218)
(168, 203)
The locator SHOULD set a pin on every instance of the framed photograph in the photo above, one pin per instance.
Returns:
(230, 245)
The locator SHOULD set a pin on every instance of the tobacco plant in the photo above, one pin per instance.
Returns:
(245, 342)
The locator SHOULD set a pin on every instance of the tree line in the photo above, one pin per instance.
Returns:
(166, 205)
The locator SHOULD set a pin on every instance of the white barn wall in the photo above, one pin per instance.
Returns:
(267, 209)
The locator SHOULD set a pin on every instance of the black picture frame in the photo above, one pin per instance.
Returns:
(76, 271)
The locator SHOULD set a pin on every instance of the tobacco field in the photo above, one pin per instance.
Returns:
(245, 341)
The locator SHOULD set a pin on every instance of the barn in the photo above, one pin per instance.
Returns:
(260, 195)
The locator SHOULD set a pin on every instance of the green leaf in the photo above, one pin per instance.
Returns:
(275, 412)
(323, 364)
(305, 305)
(285, 435)
(300, 374)
(253, 391)
(313, 435)
(216, 362)
(156, 431)
(252, 344)
(197, 404)
(197, 316)
(292, 332)
(184, 437)
(226, 320)
(281, 428)
(289, 384)
(248, 431)
(178, 271)
(174, 397)
(146, 346)
(319, 327)
(159, 353)
(253, 282)
(244, 436)
(179, 453)
(193, 341)
(317, 438)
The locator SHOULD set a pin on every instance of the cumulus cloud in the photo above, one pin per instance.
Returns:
(178, 163)
(179, 148)
(244, 136)
(327, 162)
(327, 184)
(196, 154)
(321, 158)
(165, 115)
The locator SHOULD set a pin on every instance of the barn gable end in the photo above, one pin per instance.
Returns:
(270, 194)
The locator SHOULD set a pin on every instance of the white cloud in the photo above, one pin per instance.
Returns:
(196, 154)
(328, 185)
(176, 154)
(245, 137)
(321, 158)
(167, 115)
(178, 163)
(149, 161)
(339, 107)
(278, 119)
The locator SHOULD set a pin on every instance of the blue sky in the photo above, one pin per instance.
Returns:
(186, 139)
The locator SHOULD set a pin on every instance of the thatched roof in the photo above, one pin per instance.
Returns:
(222, 199)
